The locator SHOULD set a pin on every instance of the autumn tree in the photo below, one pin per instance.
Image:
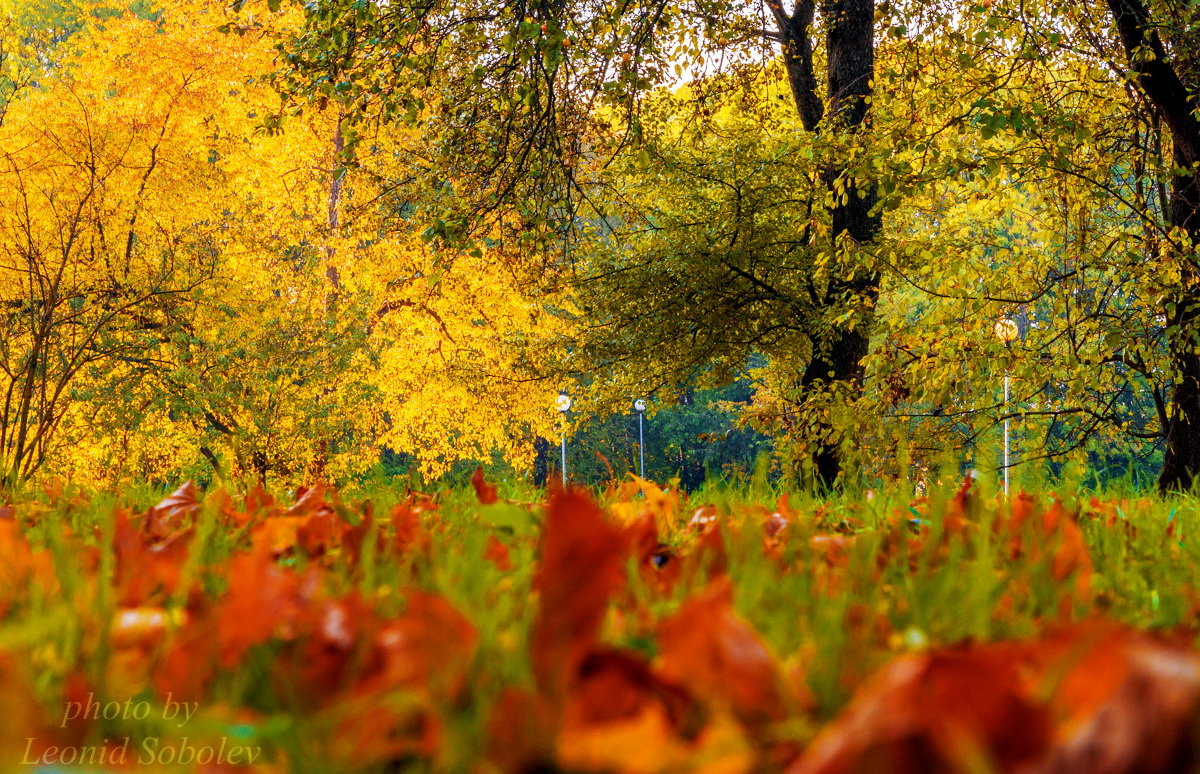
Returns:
(1013, 195)
(525, 100)
(1162, 44)
(98, 249)
(1092, 99)
(169, 281)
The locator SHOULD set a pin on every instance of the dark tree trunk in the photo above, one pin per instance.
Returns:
(798, 58)
(541, 461)
(1160, 82)
(837, 358)
(839, 366)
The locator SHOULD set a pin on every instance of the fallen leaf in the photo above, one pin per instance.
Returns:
(581, 558)
(719, 657)
(483, 490)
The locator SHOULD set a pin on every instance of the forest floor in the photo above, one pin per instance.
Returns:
(634, 629)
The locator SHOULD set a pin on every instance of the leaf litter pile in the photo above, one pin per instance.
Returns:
(633, 632)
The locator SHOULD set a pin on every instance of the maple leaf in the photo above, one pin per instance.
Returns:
(315, 666)
(257, 500)
(320, 533)
(277, 535)
(138, 626)
(261, 597)
(21, 566)
(190, 661)
(147, 568)
(656, 561)
(24, 718)
(135, 634)
(406, 524)
(309, 501)
(430, 647)
(614, 685)
(521, 730)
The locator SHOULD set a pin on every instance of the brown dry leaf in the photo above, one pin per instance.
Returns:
(430, 647)
(622, 716)
(141, 627)
(707, 557)
(718, 656)
(21, 567)
(147, 569)
(262, 597)
(321, 533)
(642, 743)
(309, 501)
(521, 732)
(315, 666)
(1122, 701)
(177, 511)
(189, 663)
(374, 732)
(276, 535)
(657, 563)
(961, 710)
(24, 718)
(1056, 532)
(834, 550)
(406, 523)
(258, 500)
(580, 567)
(617, 685)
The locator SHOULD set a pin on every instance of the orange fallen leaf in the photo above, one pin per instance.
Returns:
(496, 552)
(959, 710)
(581, 558)
(1121, 700)
(718, 656)
(483, 490)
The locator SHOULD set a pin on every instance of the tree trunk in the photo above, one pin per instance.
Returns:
(1181, 459)
(850, 46)
(840, 366)
(541, 462)
(1160, 82)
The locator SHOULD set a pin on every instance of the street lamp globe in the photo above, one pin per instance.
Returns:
(1007, 330)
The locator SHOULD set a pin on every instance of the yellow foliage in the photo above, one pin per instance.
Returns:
(282, 318)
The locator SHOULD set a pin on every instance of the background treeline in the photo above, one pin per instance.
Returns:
(273, 240)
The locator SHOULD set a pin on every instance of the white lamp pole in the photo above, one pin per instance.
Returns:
(563, 404)
(639, 406)
(1007, 331)
(1007, 378)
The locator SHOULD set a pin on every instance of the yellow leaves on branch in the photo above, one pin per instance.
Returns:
(294, 320)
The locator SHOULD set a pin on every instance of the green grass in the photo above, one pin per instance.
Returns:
(907, 581)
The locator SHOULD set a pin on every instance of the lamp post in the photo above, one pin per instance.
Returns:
(1007, 331)
(563, 404)
(639, 406)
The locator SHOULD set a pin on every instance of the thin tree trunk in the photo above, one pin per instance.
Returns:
(333, 219)
(320, 461)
